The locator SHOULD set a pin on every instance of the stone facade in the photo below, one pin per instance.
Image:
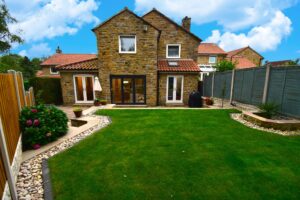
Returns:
(143, 62)
(190, 84)
(251, 55)
(67, 85)
(204, 59)
(172, 34)
(46, 70)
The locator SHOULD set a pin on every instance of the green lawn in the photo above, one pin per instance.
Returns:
(178, 154)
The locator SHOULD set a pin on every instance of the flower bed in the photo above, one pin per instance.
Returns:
(41, 125)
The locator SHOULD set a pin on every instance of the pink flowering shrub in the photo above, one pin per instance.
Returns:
(41, 125)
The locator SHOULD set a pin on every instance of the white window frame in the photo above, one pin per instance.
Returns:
(174, 89)
(84, 88)
(212, 62)
(53, 73)
(167, 50)
(127, 52)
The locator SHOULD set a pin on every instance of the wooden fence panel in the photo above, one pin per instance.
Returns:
(2, 177)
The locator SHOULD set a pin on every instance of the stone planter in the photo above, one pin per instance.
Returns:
(284, 125)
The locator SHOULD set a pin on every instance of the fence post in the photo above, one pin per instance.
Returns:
(32, 95)
(13, 72)
(23, 88)
(265, 94)
(29, 99)
(6, 163)
(232, 86)
(212, 84)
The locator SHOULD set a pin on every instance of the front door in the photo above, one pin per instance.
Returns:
(174, 89)
(84, 88)
(128, 89)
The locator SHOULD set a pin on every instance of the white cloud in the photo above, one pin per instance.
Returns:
(265, 37)
(37, 50)
(41, 19)
(260, 16)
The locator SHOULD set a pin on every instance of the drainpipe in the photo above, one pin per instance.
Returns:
(157, 89)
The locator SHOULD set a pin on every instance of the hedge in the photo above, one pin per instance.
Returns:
(47, 90)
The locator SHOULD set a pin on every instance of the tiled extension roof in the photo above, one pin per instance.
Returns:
(234, 52)
(242, 62)
(183, 65)
(62, 59)
(210, 48)
(90, 64)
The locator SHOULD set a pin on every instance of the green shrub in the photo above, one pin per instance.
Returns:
(41, 125)
(225, 65)
(269, 109)
(47, 90)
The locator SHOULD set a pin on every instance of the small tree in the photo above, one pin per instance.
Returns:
(225, 65)
(6, 37)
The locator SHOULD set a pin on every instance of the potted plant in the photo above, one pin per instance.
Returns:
(103, 101)
(77, 111)
(268, 110)
(209, 101)
(97, 102)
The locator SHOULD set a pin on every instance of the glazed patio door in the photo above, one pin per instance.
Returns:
(174, 89)
(84, 88)
(128, 89)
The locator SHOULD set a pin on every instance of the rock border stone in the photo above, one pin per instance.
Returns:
(239, 118)
(30, 182)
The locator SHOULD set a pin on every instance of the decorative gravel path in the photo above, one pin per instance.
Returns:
(30, 182)
(238, 117)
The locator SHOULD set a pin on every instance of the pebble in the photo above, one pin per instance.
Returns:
(29, 181)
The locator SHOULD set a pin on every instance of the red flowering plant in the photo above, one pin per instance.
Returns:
(42, 124)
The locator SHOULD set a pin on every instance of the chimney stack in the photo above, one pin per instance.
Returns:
(186, 23)
(58, 50)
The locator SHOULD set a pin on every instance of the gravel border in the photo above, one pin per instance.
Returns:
(30, 181)
(239, 118)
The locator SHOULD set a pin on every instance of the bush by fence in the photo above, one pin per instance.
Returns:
(47, 90)
(280, 85)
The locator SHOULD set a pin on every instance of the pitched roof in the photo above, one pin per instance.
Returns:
(172, 22)
(61, 59)
(122, 11)
(279, 63)
(90, 64)
(210, 48)
(236, 51)
(242, 62)
(183, 65)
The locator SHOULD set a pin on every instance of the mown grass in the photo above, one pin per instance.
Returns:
(178, 154)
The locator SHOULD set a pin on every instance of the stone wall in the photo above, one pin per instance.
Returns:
(15, 167)
(172, 34)
(67, 85)
(143, 62)
(190, 84)
(46, 70)
(203, 59)
(251, 55)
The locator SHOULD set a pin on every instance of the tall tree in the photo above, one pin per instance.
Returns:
(6, 37)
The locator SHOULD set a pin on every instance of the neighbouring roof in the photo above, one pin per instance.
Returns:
(234, 52)
(122, 11)
(41, 74)
(279, 63)
(183, 65)
(210, 48)
(172, 22)
(61, 58)
(242, 62)
(90, 64)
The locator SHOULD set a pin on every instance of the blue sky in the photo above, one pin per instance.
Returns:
(269, 26)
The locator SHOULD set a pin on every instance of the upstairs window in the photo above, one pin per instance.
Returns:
(53, 70)
(212, 60)
(127, 44)
(173, 50)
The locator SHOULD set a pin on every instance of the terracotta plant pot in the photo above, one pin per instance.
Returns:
(103, 102)
(78, 113)
(209, 101)
(97, 103)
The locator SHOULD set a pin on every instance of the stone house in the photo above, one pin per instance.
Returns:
(148, 60)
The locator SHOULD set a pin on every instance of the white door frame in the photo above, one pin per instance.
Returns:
(174, 89)
(84, 88)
